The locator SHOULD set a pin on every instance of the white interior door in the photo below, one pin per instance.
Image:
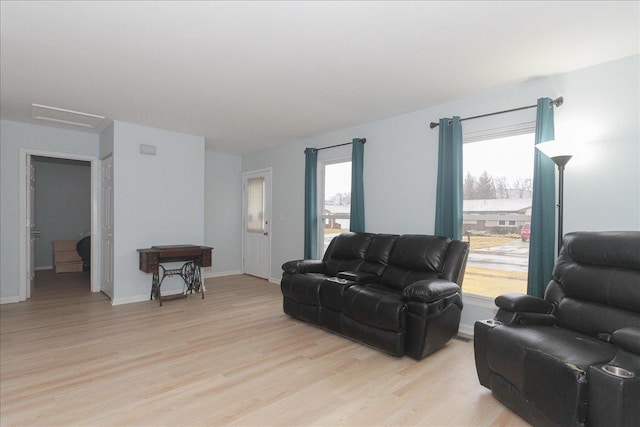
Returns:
(106, 280)
(257, 223)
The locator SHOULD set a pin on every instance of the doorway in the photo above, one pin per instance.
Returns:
(256, 220)
(62, 207)
(28, 216)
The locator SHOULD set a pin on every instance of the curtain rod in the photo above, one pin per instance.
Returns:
(364, 140)
(557, 102)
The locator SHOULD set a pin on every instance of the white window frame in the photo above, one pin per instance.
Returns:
(484, 135)
(478, 307)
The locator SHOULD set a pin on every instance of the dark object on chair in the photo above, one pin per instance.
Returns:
(572, 358)
(83, 247)
(399, 294)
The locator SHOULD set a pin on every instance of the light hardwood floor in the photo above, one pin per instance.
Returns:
(69, 358)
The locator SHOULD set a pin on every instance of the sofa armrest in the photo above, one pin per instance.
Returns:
(358, 277)
(524, 303)
(303, 266)
(523, 318)
(627, 338)
(521, 309)
(430, 290)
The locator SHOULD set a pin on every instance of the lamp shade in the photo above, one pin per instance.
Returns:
(554, 148)
(559, 152)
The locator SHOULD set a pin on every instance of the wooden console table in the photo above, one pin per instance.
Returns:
(151, 260)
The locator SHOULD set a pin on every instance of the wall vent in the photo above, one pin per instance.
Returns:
(67, 117)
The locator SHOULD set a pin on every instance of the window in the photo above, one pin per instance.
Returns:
(334, 207)
(255, 205)
(497, 194)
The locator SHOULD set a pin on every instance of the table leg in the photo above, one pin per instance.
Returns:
(158, 291)
(155, 286)
(197, 278)
(190, 273)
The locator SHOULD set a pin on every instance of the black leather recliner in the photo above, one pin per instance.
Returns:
(399, 294)
(572, 358)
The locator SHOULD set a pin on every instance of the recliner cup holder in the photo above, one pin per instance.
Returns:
(492, 322)
(617, 371)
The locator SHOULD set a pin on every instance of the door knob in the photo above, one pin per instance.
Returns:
(266, 233)
(36, 233)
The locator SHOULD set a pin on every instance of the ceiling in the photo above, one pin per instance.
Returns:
(252, 75)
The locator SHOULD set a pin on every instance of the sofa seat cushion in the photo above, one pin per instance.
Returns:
(302, 288)
(375, 306)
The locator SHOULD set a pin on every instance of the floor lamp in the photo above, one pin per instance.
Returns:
(560, 155)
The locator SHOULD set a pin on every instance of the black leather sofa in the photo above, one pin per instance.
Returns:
(572, 358)
(399, 294)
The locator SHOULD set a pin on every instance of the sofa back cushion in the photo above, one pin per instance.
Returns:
(346, 252)
(455, 262)
(596, 282)
(378, 254)
(415, 257)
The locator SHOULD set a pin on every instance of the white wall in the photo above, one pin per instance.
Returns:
(13, 137)
(106, 142)
(63, 204)
(158, 200)
(223, 212)
(602, 182)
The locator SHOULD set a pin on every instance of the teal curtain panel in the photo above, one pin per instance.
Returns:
(449, 190)
(541, 245)
(357, 186)
(311, 203)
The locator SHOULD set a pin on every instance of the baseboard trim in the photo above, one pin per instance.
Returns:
(44, 267)
(140, 298)
(129, 300)
(466, 329)
(211, 274)
(9, 300)
(275, 281)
